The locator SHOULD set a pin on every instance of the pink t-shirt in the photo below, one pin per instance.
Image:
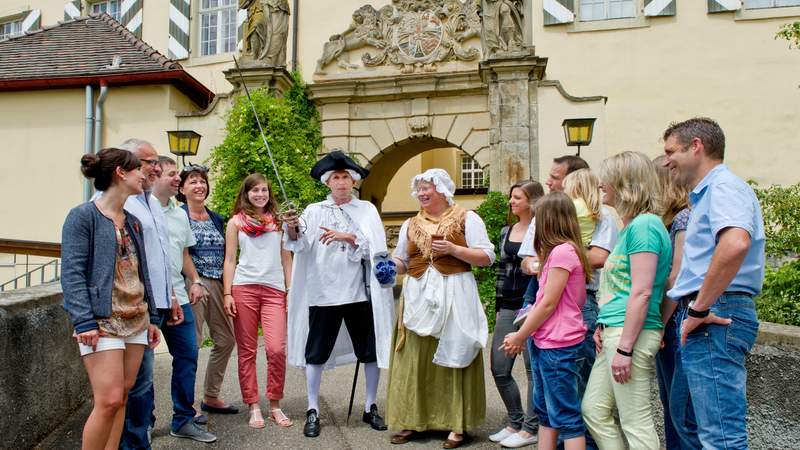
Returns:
(565, 327)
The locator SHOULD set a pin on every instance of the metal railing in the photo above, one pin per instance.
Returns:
(41, 272)
(30, 275)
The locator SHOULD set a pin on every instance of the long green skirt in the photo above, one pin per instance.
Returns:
(423, 396)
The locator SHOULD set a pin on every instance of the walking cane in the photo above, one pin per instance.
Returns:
(352, 394)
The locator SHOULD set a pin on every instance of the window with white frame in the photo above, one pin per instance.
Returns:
(758, 4)
(10, 29)
(471, 173)
(607, 9)
(112, 7)
(218, 30)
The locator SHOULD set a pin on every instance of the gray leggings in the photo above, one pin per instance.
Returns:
(502, 366)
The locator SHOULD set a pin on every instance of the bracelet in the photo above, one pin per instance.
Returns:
(227, 294)
(198, 281)
(697, 314)
(624, 353)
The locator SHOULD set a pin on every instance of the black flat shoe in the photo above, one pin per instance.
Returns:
(373, 419)
(230, 409)
(312, 426)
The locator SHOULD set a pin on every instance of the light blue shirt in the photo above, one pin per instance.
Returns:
(180, 237)
(721, 200)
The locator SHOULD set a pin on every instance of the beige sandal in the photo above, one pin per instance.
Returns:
(256, 419)
(276, 415)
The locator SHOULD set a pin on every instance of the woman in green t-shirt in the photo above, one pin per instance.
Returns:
(629, 329)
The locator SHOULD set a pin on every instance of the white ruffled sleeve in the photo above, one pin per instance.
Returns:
(401, 251)
(476, 235)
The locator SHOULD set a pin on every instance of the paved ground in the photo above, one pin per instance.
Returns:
(233, 432)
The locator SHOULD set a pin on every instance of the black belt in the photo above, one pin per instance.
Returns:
(592, 291)
(688, 298)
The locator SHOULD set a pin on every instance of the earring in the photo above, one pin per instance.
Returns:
(124, 178)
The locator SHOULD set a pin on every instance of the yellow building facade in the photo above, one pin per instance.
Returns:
(633, 65)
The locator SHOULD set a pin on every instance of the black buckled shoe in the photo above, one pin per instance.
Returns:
(373, 419)
(312, 426)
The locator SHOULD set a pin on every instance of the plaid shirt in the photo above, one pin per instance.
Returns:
(509, 267)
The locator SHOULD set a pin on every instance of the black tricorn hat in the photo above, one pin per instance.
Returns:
(336, 160)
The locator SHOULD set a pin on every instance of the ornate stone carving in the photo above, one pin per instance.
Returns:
(502, 27)
(412, 34)
(419, 127)
(265, 31)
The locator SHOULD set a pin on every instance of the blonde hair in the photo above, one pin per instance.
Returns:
(675, 195)
(557, 223)
(633, 178)
(583, 184)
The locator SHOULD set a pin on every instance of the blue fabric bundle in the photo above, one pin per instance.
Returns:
(385, 270)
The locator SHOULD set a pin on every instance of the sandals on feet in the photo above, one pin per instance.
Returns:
(276, 415)
(256, 420)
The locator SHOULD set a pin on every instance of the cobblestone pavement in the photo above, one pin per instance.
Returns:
(233, 433)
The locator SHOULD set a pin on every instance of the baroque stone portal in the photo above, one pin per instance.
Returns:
(266, 31)
(412, 34)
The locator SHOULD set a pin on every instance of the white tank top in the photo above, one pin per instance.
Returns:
(260, 260)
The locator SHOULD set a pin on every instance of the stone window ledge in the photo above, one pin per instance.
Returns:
(195, 61)
(608, 24)
(767, 13)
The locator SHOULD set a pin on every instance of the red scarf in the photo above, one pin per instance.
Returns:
(256, 228)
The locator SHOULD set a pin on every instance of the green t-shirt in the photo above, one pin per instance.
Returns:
(645, 233)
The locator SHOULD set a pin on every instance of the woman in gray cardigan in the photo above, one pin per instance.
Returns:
(107, 292)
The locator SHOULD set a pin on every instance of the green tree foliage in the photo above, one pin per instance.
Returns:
(291, 124)
(790, 32)
(494, 212)
(779, 301)
(780, 206)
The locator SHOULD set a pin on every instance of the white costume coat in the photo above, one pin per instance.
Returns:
(307, 285)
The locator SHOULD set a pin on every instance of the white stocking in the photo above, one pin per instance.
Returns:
(313, 381)
(373, 375)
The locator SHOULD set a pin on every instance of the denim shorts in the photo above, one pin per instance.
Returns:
(555, 397)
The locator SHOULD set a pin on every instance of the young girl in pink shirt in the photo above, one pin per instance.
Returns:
(556, 324)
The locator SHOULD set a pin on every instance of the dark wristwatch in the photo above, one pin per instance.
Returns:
(624, 353)
(697, 314)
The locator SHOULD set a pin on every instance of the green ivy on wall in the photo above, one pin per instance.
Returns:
(291, 125)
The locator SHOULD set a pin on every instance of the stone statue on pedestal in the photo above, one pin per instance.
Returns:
(266, 31)
(502, 27)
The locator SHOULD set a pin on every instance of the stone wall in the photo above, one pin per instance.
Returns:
(42, 379)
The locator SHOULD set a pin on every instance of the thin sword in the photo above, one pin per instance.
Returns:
(261, 129)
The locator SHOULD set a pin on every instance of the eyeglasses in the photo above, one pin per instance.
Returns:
(151, 162)
(194, 168)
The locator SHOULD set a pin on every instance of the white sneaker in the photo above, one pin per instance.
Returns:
(516, 441)
(500, 435)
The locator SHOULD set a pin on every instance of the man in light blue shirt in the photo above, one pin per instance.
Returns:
(722, 269)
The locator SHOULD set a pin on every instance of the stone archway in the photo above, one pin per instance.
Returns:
(412, 76)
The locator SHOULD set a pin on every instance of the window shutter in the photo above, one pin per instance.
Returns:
(715, 6)
(557, 12)
(241, 18)
(179, 29)
(659, 8)
(72, 9)
(32, 20)
(131, 16)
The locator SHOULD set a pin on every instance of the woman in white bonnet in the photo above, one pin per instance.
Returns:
(436, 371)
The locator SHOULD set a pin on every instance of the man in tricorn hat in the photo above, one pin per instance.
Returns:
(336, 243)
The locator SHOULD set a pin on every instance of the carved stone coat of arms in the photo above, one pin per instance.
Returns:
(412, 34)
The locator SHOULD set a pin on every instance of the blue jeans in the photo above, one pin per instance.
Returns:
(680, 429)
(713, 360)
(182, 344)
(139, 409)
(555, 398)
(587, 353)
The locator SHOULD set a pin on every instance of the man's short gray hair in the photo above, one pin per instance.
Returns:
(133, 144)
